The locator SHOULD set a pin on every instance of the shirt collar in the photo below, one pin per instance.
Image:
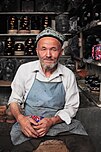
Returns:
(36, 67)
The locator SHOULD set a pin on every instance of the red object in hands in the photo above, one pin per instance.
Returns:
(37, 118)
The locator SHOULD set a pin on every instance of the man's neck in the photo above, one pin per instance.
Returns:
(49, 72)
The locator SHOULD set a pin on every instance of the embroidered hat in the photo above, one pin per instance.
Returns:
(49, 32)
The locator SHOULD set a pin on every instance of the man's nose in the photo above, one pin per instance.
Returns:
(48, 53)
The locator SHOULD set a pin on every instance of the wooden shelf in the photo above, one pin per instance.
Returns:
(32, 13)
(18, 34)
(98, 63)
(25, 34)
(91, 95)
(19, 56)
(28, 57)
(5, 83)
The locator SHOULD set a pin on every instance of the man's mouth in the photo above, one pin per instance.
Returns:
(48, 60)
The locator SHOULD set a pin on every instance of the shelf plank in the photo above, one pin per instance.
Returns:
(32, 13)
(18, 56)
(17, 34)
(97, 63)
(27, 57)
(5, 83)
(26, 34)
(93, 96)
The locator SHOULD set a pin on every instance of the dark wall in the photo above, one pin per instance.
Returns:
(39, 5)
(9, 5)
(33, 5)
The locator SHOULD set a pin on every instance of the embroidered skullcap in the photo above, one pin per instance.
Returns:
(49, 32)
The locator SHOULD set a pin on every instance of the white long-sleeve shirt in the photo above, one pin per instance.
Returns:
(25, 77)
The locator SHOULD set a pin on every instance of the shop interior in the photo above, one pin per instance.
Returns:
(80, 22)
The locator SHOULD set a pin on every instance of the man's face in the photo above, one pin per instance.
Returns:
(49, 50)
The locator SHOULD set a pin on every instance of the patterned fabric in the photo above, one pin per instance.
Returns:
(52, 33)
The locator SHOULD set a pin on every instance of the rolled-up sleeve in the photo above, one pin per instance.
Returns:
(71, 98)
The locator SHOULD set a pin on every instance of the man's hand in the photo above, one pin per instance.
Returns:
(43, 126)
(27, 124)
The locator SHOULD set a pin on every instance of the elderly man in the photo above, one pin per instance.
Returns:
(50, 96)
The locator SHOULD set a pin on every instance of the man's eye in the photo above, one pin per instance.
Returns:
(54, 49)
(43, 49)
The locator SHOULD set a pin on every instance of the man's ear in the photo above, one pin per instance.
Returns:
(61, 52)
(36, 50)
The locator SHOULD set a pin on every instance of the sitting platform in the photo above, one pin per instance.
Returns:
(52, 146)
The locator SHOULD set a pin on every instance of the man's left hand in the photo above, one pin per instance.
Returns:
(43, 126)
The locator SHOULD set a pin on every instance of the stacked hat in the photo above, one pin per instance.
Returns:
(49, 32)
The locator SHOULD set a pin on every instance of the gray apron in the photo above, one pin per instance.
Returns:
(45, 99)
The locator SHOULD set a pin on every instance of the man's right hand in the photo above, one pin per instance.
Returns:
(26, 123)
